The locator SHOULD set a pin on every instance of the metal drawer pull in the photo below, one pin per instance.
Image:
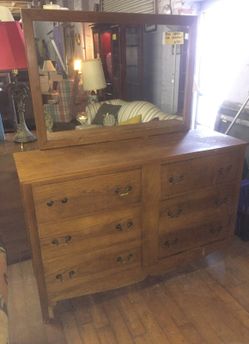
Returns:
(120, 227)
(119, 259)
(71, 274)
(175, 213)
(176, 179)
(55, 242)
(125, 260)
(129, 224)
(64, 200)
(222, 171)
(50, 203)
(67, 239)
(216, 229)
(169, 243)
(221, 201)
(59, 277)
(123, 192)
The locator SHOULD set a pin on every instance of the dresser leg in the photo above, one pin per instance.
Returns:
(51, 312)
(48, 314)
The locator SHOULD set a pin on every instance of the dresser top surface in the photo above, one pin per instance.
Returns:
(36, 166)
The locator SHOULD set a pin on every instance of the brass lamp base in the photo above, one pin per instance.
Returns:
(23, 134)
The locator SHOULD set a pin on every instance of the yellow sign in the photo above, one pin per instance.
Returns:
(174, 37)
(114, 36)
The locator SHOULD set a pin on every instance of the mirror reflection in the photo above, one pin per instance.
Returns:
(98, 75)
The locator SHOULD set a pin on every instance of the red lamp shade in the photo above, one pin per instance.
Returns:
(12, 47)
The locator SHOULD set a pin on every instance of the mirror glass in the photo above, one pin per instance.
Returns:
(100, 75)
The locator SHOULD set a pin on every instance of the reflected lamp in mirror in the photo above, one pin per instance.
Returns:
(93, 78)
(12, 59)
(48, 68)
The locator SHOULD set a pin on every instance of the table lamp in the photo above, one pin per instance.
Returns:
(48, 68)
(12, 59)
(93, 78)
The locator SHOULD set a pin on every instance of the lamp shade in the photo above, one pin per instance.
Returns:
(5, 14)
(12, 54)
(93, 75)
(48, 66)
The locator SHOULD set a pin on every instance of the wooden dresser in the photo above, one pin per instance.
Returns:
(108, 215)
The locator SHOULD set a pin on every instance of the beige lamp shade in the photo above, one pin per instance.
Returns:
(48, 66)
(93, 75)
(5, 14)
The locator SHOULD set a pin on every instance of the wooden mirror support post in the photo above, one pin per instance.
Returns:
(110, 206)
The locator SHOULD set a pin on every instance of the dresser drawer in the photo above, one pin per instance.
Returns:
(193, 174)
(179, 241)
(197, 207)
(67, 272)
(93, 232)
(87, 195)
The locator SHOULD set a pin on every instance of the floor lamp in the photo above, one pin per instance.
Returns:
(12, 59)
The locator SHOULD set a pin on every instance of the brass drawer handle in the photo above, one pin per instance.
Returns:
(71, 274)
(220, 201)
(125, 260)
(50, 203)
(64, 200)
(176, 179)
(120, 259)
(169, 243)
(55, 242)
(129, 225)
(120, 227)
(123, 192)
(223, 171)
(174, 213)
(68, 239)
(216, 229)
(59, 277)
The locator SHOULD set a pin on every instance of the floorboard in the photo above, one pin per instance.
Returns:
(206, 302)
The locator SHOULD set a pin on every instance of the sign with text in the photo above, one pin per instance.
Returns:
(176, 37)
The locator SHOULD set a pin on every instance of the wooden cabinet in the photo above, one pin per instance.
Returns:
(118, 213)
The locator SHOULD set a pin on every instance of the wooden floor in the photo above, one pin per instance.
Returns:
(207, 302)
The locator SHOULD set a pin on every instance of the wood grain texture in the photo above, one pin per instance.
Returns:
(196, 304)
(73, 219)
(76, 161)
(82, 196)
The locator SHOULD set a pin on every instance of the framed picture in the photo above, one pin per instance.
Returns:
(150, 27)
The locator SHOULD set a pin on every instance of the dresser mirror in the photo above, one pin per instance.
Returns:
(98, 77)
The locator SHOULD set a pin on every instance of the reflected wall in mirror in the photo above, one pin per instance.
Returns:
(116, 75)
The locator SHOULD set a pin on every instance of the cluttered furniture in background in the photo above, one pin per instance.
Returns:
(108, 206)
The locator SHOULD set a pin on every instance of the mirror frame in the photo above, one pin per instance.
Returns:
(82, 137)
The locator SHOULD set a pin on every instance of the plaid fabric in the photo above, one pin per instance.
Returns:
(60, 111)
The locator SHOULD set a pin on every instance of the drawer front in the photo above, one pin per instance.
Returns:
(87, 195)
(94, 232)
(197, 173)
(197, 207)
(182, 240)
(64, 273)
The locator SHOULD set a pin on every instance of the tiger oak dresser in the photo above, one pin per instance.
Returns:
(107, 215)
